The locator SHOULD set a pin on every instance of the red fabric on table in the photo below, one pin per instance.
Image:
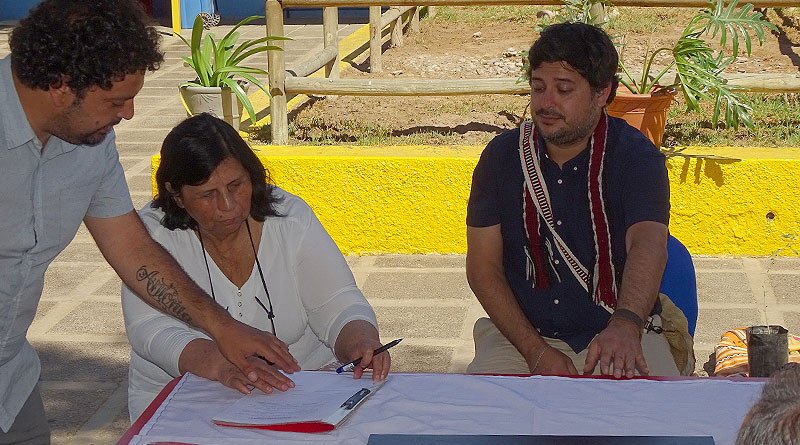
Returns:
(148, 413)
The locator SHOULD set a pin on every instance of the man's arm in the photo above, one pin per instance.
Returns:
(620, 343)
(486, 277)
(151, 272)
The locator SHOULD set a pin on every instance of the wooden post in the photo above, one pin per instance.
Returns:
(396, 38)
(431, 11)
(597, 13)
(279, 119)
(414, 20)
(330, 28)
(375, 39)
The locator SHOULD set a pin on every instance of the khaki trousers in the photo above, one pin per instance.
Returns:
(494, 354)
(30, 427)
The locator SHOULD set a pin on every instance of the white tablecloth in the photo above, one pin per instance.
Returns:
(468, 404)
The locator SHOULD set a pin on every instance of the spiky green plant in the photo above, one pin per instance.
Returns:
(217, 62)
(699, 67)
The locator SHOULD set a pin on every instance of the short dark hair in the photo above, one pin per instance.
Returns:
(775, 418)
(83, 44)
(190, 154)
(586, 48)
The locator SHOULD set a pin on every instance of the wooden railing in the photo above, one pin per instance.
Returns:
(297, 83)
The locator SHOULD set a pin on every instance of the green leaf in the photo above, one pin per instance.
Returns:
(246, 45)
(251, 52)
(243, 22)
(256, 82)
(200, 64)
(188, 62)
(241, 69)
(230, 83)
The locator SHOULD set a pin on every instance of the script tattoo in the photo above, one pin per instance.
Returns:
(164, 293)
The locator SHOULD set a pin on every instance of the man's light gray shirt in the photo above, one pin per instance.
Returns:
(44, 196)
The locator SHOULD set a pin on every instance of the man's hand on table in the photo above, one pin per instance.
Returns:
(232, 377)
(551, 361)
(241, 344)
(618, 347)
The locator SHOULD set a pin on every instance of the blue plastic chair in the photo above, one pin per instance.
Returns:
(679, 282)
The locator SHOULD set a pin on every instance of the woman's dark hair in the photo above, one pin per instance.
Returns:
(586, 48)
(83, 43)
(190, 154)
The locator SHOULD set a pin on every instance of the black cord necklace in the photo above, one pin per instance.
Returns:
(270, 312)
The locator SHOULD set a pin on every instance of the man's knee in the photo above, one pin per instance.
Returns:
(494, 354)
(658, 355)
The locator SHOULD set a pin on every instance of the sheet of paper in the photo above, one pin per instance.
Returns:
(316, 396)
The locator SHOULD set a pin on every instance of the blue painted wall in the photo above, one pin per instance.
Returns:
(16, 9)
(235, 10)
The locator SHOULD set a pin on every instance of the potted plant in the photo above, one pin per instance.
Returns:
(698, 70)
(216, 63)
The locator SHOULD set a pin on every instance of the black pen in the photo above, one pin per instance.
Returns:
(354, 363)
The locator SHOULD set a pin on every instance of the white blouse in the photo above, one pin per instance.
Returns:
(312, 289)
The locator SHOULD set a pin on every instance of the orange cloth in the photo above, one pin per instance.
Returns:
(731, 352)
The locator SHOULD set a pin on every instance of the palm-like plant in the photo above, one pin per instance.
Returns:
(217, 62)
(699, 67)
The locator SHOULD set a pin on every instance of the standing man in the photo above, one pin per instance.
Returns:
(74, 69)
(567, 226)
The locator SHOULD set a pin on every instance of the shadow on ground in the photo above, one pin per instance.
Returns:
(78, 381)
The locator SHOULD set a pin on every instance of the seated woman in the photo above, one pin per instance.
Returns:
(259, 251)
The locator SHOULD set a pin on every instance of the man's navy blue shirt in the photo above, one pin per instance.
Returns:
(636, 189)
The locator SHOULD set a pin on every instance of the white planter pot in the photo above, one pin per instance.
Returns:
(216, 101)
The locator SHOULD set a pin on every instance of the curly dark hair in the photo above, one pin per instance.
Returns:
(586, 48)
(190, 154)
(83, 44)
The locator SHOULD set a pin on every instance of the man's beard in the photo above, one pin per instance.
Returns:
(570, 134)
(64, 130)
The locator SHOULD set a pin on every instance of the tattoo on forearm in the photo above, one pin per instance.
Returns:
(163, 293)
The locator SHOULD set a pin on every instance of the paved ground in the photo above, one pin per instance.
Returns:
(80, 335)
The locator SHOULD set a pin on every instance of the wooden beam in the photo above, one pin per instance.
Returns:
(320, 59)
(769, 83)
(404, 87)
(645, 3)
(766, 83)
(392, 15)
(755, 82)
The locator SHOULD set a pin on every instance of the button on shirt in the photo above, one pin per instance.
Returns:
(636, 189)
(44, 196)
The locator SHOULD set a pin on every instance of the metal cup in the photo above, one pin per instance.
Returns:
(767, 349)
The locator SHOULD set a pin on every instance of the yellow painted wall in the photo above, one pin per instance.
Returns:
(735, 206)
(413, 199)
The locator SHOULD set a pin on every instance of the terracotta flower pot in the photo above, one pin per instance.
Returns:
(646, 112)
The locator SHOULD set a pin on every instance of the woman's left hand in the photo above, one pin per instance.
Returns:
(359, 338)
(380, 363)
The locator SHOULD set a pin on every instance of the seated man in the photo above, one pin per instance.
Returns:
(567, 226)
